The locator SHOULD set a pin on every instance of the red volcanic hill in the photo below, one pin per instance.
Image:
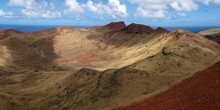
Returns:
(6, 33)
(200, 92)
(137, 28)
(132, 28)
(115, 26)
(160, 29)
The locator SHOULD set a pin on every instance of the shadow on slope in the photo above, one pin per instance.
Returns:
(31, 50)
(211, 34)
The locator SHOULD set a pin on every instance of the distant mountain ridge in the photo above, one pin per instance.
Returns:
(212, 34)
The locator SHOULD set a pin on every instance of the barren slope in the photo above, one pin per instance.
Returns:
(97, 68)
(200, 92)
(110, 46)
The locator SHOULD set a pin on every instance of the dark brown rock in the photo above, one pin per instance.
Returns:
(115, 26)
(138, 28)
(160, 29)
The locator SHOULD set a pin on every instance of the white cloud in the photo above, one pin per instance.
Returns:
(207, 2)
(54, 4)
(117, 9)
(91, 6)
(162, 8)
(150, 13)
(151, 4)
(182, 14)
(34, 9)
(2, 13)
(187, 5)
(41, 13)
(27, 4)
(73, 7)
(113, 8)
(7, 14)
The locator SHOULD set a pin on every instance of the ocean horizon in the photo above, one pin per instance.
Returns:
(33, 28)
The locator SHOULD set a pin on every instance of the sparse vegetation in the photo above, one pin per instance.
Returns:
(89, 69)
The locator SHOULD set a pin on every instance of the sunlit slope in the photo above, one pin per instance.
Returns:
(110, 46)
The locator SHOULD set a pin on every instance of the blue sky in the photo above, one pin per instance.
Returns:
(99, 12)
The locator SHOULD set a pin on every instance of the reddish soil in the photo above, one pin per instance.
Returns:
(136, 28)
(200, 92)
(6, 33)
(116, 26)
(89, 58)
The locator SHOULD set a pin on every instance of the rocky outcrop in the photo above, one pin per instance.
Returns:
(160, 29)
(178, 34)
(133, 28)
(215, 37)
(115, 26)
(138, 28)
